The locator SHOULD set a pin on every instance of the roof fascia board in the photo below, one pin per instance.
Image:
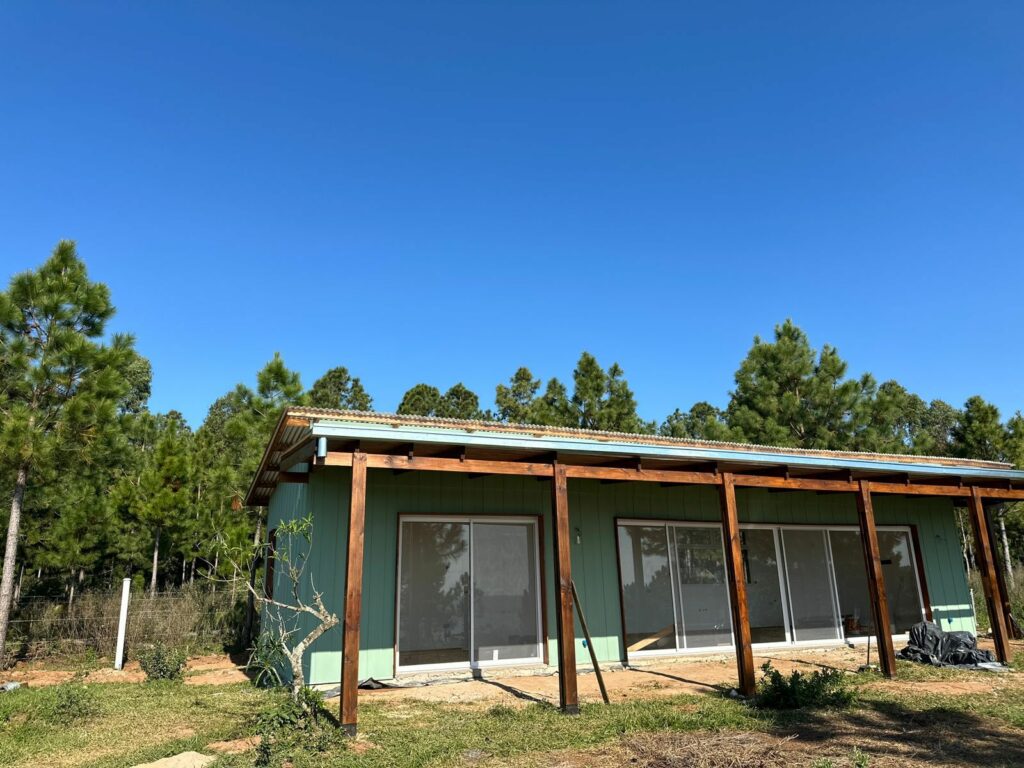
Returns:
(404, 433)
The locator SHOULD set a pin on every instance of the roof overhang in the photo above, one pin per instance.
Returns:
(302, 433)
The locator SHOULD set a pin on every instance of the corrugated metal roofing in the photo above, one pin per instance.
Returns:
(303, 423)
(473, 425)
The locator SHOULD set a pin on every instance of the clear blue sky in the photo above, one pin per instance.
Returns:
(445, 191)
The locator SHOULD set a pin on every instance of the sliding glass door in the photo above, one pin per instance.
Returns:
(812, 605)
(674, 590)
(469, 592)
(805, 584)
(899, 568)
(433, 628)
(647, 593)
(765, 605)
(506, 592)
(703, 595)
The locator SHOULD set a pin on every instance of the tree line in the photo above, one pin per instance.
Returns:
(103, 488)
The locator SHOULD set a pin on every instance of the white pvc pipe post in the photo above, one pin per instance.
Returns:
(122, 624)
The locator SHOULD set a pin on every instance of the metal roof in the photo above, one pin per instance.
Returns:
(299, 424)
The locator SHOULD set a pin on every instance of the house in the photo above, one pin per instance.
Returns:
(454, 545)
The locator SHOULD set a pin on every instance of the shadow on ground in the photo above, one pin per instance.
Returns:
(901, 735)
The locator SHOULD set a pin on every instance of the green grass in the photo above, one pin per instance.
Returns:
(420, 733)
(115, 725)
(121, 724)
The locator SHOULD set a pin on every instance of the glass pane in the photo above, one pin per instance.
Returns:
(852, 582)
(703, 593)
(646, 588)
(764, 594)
(812, 610)
(505, 592)
(901, 585)
(433, 604)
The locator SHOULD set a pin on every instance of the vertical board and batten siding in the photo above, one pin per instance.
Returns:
(593, 508)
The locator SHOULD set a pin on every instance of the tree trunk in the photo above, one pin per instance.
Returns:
(250, 603)
(1007, 561)
(10, 553)
(71, 593)
(213, 572)
(156, 560)
(192, 576)
(968, 550)
(17, 587)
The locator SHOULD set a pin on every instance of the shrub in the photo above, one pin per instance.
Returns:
(163, 663)
(827, 688)
(296, 722)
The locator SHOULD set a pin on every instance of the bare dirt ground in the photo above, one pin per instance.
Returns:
(214, 669)
(669, 678)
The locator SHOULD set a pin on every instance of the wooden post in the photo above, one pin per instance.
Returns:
(876, 579)
(353, 595)
(737, 584)
(567, 694)
(987, 568)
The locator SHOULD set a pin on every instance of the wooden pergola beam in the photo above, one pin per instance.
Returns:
(353, 595)
(737, 585)
(675, 476)
(989, 580)
(876, 579)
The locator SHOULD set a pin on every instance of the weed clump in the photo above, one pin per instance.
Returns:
(821, 688)
(163, 663)
(68, 703)
(299, 722)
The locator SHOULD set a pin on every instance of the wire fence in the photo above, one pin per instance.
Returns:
(193, 619)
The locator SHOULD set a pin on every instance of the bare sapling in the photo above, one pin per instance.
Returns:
(293, 612)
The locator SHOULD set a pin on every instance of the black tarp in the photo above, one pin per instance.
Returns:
(928, 644)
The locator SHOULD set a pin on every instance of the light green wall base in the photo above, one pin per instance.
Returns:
(594, 508)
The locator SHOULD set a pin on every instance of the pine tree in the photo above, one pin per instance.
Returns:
(602, 399)
(60, 384)
(421, 400)
(895, 421)
(338, 389)
(788, 395)
(515, 401)
(459, 402)
(702, 422)
(979, 433)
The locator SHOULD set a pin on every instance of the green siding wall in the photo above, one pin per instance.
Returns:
(594, 508)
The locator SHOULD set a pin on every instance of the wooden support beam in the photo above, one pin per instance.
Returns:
(876, 579)
(737, 584)
(302, 451)
(353, 594)
(567, 693)
(987, 566)
(651, 474)
(642, 475)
